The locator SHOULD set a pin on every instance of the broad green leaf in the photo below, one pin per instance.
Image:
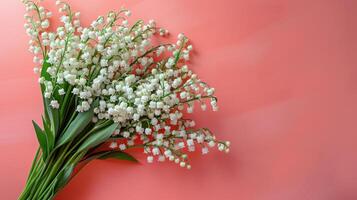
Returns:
(52, 115)
(76, 126)
(44, 73)
(41, 137)
(98, 137)
(50, 138)
(46, 106)
(66, 100)
(120, 155)
(145, 123)
(95, 156)
(64, 176)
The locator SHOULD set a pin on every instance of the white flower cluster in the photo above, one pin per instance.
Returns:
(144, 87)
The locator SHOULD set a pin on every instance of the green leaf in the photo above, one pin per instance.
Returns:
(55, 120)
(94, 156)
(64, 176)
(46, 105)
(41, 137)
(145, 124)
(76, 126)
(102, 155)
(50, 138)
(66, 100)
(51, 114)
(120, 155)
(98, 137)
(44, 73)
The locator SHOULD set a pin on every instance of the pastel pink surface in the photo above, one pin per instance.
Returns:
(286, 77)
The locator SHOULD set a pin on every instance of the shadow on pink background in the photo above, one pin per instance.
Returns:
(286, 77)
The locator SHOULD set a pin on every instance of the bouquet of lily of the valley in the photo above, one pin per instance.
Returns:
(107, 88)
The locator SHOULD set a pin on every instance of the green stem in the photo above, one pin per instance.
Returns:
(43, 176)
(40, 174)
(37, 169)
(52, 171)
(34, 164)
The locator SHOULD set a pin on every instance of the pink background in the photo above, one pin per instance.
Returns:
(285, 73)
